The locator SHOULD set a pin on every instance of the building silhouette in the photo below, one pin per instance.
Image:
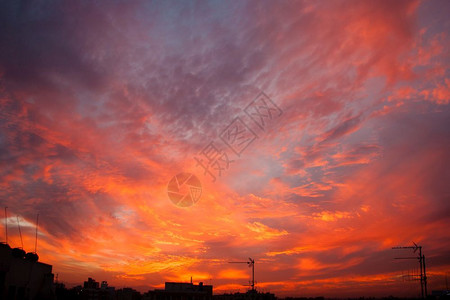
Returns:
(22, 277)
(249, 295)
(128, 294)
(181, 291)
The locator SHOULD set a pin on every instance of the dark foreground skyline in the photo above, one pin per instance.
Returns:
(24, 277)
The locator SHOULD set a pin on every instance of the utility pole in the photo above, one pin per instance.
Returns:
(423, 272)
(250, 263)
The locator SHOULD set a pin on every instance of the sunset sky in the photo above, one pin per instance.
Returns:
(102, 103)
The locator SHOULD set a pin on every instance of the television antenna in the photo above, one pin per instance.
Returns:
(20, 232)
(250, 263)
(421, 258)
(6, 225)
(35, 242)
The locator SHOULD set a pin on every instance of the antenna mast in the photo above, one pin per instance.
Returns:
(250, 263)
(6, 225)
(423, 272)
(37, 223)
(446, 282)
(20, 232)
